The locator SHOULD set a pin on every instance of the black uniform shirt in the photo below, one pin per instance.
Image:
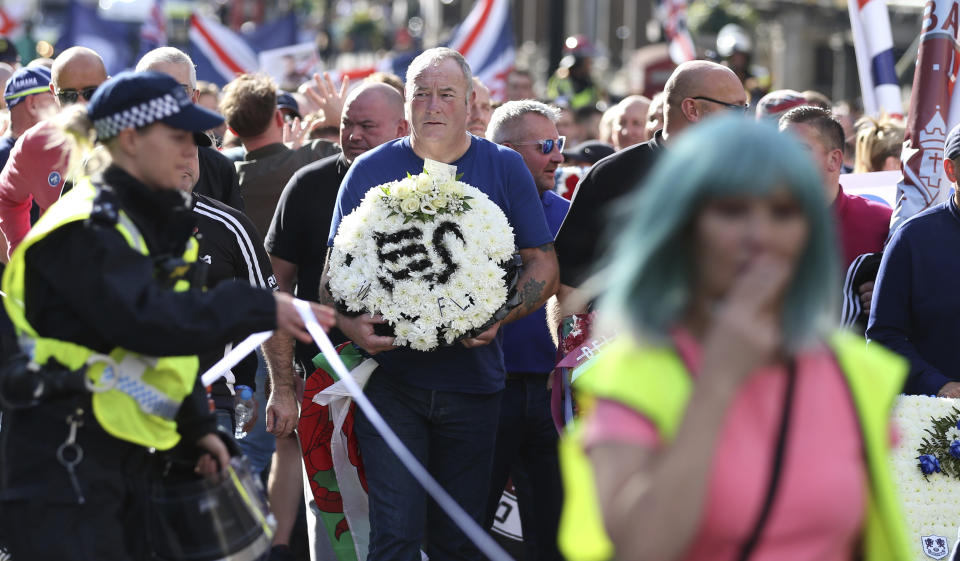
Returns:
(85, 284)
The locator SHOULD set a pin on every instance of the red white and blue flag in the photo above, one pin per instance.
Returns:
(485, 39)
(11, 19)
(873, 40)
(222, 54)
(934, 110)
(219, 53)
(153, 32)
(114, 41)
(673, 18)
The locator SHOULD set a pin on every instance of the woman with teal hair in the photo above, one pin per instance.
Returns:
(719, 424)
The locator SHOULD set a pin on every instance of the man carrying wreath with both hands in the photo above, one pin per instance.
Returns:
(443, 404)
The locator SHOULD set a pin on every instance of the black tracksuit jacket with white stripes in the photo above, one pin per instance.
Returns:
(232, 249)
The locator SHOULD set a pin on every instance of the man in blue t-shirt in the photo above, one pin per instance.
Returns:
(526, 448)
(443, 404)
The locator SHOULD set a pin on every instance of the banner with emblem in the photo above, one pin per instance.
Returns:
(931, 113)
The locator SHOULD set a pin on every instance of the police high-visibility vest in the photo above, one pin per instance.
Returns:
(563, 87)
(135, 397)
(655, 382)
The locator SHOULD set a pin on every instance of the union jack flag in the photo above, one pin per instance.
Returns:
(485, 39)
(873, 41)
(153, 32)
(673, 18)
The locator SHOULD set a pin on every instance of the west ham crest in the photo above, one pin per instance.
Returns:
(935, 546)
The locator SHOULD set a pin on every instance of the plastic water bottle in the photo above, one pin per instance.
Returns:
(243, 409)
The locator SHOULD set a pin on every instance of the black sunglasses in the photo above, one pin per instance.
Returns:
(67, 97)
(731, 106)
(546, 145)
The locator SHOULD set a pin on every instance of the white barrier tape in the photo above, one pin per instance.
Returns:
(232, 358)
(467, 525)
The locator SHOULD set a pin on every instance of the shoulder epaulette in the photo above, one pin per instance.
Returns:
(106, 207)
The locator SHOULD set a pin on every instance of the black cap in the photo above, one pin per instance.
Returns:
(288, 102)
(590, 151)
(8, 51)
(951, 148)
(138, 99)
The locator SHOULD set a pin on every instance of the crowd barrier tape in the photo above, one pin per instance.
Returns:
(484, 542)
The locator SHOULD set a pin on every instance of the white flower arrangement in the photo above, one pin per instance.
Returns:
(931, 502)
(426, 252)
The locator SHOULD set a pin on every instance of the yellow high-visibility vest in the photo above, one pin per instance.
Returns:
(655, 382)
(135, 397)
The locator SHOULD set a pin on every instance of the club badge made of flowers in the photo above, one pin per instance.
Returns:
(433, 255)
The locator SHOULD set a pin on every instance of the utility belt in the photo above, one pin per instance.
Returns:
(23, 384)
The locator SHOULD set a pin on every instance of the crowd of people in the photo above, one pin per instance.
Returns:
(151, 219)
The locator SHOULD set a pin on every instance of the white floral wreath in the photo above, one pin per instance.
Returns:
(427, 253)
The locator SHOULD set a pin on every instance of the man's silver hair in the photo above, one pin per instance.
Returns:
(434, 57)
(506, 118)
(168, 55)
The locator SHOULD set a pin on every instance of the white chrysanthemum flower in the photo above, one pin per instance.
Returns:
(932, 505)
(442, 311)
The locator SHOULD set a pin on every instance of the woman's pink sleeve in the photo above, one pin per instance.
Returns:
(611, 421)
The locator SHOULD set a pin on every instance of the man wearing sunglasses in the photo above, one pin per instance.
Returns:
(526, 446)
(35, 174)
(76, 74)
(695, 91)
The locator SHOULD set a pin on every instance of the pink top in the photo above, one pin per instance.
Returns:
(863, 225)
(821, 500)
(34, 172)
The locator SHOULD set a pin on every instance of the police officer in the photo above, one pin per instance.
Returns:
(99, 292)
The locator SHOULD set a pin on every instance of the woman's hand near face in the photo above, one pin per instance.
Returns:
(746, 329)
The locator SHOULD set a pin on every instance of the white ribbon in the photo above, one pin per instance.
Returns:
(233, 358)
(467, 525)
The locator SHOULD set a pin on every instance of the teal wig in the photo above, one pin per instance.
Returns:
(645, 279)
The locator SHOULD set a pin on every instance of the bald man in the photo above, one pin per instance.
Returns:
(36, 172)
(695, 90)
(76, 74)
(629, 126)
(297, 239)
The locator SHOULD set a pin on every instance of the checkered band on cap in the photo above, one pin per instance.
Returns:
(139, 115)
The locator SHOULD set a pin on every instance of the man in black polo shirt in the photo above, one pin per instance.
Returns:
(695, 90)
(297, 239)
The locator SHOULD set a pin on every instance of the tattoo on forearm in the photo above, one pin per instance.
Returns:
(325, 297)
(546, 248)
(531, 292)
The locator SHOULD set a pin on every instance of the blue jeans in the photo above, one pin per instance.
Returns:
(527, 451)
(453, 435)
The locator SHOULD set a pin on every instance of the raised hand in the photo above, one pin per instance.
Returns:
(326, 95)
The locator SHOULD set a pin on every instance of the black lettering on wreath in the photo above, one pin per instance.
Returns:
(408, 239)
(415, 253)
(439, 244)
